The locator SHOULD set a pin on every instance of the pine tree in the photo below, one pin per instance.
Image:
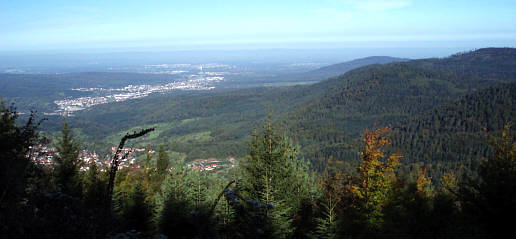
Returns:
(273, 180)
(16, 142)
(408, 210)
(150, 179)
(181, 209)
(162, 162)
(93, 187)
(148, 157)
(200, 189)
(130, 204)
(138, 214)
(492, 198)
(332, 185)
(446, 214)
(67, 162)
(15, 168)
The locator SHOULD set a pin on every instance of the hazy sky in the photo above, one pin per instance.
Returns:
(46, 25)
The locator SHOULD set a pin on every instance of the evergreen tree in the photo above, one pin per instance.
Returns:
(274, 181)
(446, 211)
(181, 210)
(67, 162)
(93, 187)
(162, 162)
(16, 142)
(130, 202)
(408, 211)
(200, 189)
(15, 169)
(492, 198)
(332, 185)
(148, 157)
(138, 214)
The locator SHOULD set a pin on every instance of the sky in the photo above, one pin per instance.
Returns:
(41, 25)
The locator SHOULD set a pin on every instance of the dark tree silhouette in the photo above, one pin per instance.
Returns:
(116, 161)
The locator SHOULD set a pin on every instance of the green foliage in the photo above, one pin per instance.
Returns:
(138, 214)
(408, 213)
(94, 185)
(395, 94)
(29, 205)
(409, 209)
(275, 178)
(162, 162)
(67, 162)
(327, 118)
(15, 145)
(18, 175)
(148, 157)
(130, 202)
(181, 207)
(374, 181)
(492, 198)
(332, 185)
(455, 132)
(275, 194)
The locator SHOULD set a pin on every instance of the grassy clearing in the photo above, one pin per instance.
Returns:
(198, 137)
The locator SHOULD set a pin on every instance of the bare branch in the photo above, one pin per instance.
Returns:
(116, 161)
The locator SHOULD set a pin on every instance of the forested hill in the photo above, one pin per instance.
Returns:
(374, 95)
(457, 130)
(475, 69)
(338, 69)
(198, 124)
(325, 119)
(341, 68)
(379, 95)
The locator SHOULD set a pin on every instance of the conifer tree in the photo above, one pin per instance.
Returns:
(162, 162)
(93, 187)
(148, 157)
(181, 210)
(408, 211)
(446, 211)
(332, 185)
(130, 201)
(200, 189)
(67, 162)
(138, 214)
(273, 180)
(16, 142)
(492, 198)
(15, 145)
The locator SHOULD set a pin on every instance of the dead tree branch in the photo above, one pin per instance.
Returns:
(116, 161)
(218, 198)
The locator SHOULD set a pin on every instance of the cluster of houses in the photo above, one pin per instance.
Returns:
(211, 164)
(45, 155)
(204, 167)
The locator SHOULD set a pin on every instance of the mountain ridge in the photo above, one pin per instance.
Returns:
(326, 119)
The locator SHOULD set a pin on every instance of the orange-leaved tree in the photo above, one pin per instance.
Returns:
(374, 181)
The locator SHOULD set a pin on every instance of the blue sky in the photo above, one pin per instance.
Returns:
(190, 24)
